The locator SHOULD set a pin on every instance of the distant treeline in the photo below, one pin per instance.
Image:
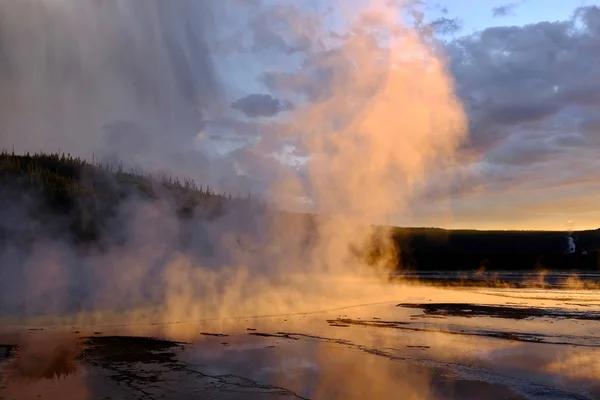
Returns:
(62, 193)
(439, 249)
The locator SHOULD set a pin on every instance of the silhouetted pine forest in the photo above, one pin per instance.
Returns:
(63, 193)
(468, 250)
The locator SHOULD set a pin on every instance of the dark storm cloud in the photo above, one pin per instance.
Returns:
(511, 77)
(260, 105)
(447, 26)
(532, 94)
(523, 152)
(516, 113)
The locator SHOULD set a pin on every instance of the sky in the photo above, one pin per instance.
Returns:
(479, 15)
(548, 160)
(207, 95)
(528, 82)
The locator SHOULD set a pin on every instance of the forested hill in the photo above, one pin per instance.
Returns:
(439, 249)
(56, 192)
(50, 194)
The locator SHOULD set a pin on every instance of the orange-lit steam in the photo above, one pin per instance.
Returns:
(385, 120)
(388, 117)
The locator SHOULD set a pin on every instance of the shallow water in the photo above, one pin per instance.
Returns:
(520, 279)
(430, 343)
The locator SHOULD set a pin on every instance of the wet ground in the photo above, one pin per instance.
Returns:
(427, 343)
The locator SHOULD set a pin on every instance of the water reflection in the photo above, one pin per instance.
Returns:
(380, 351)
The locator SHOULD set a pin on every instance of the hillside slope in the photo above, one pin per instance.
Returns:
(45, 194)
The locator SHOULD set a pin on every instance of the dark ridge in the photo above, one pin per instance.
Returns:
(433, 249)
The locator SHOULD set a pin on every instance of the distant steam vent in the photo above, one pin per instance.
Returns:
(571, 247)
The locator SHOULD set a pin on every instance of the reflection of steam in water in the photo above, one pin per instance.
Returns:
(302, 356)
(44, 364)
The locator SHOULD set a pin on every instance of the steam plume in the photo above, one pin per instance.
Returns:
(384, 117)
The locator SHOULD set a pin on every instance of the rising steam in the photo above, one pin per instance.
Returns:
(370, 111)
(384, 117)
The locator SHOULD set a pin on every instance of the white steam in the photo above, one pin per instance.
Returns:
(571, 247)
(375, 115)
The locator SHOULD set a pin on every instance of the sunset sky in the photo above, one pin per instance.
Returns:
(534, 112)
(527, 73)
